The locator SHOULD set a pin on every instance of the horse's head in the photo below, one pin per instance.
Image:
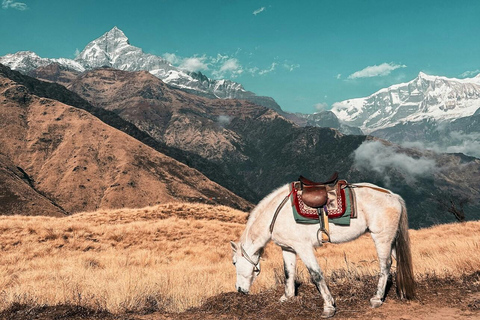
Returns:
(248, 267)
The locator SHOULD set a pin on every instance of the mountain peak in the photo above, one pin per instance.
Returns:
(104, 50)
(422, 75)
(113, 39)
(115, 33)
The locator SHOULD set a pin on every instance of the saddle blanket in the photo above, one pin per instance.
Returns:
(340, 206)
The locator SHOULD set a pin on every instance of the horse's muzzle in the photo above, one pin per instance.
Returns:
(242, 291)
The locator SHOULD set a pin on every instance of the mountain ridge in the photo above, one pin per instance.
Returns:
(113, 49)
(426, 96)
(81, 163)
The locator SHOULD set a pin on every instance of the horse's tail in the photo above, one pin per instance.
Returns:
(405, 279)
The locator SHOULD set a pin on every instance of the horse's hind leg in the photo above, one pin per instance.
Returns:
(316, 275)
(383, 244)
(289, 264)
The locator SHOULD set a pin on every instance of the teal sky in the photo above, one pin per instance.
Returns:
(305, 54)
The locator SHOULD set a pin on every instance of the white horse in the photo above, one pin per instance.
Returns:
(379, 211)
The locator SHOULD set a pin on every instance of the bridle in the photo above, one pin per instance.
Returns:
(256, 267)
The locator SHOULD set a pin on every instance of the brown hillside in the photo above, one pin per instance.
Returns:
(180, 119)
(17, 195)
(54, 73)
(83, 164)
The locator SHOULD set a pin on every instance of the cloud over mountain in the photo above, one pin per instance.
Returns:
(383, 69)
(375, 156)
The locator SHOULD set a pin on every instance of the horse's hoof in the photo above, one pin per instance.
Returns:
(376, 302)
(328, 313)
(283, 298)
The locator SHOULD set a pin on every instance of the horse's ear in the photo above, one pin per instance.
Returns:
(234, 246)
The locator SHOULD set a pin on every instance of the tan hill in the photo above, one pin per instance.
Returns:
(18, 196)
(81, 163)
(171, 257)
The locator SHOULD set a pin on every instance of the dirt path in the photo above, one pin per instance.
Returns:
(437, 299)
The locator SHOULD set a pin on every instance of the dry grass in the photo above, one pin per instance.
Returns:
(174, 256)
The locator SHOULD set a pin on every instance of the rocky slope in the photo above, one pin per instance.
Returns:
(179, 119)
(54, 72)
(80, 163)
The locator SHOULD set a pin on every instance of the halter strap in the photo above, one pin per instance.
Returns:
(247, 257)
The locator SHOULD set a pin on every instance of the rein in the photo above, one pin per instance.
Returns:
(280, 206)
(370, 187)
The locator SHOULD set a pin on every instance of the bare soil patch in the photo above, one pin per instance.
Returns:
(438, 298)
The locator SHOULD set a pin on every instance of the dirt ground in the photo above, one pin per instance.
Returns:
(437, 299)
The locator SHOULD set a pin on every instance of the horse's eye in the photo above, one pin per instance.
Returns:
(234, 263)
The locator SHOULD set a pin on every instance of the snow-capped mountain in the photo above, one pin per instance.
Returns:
(25, 61)
(113, 50)
(327, 119)
(425, 97)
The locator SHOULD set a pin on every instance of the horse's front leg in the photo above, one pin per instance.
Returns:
(316, 274)
(289, 265)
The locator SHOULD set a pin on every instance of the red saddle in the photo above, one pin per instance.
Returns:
(306, 211)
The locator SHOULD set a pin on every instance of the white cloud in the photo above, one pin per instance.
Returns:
(291, 67)
(376, 71)
(375, 156)
(194, 64)
(339, 76)
(172, 58)
(265, 71)
(258, 11)
(6, 4)
(231, 66)
(451, 142)
(223, 66)
(219, 58)
(322, 106)
(253, 71)
(469, 74)
(77, 53)
(224, 120)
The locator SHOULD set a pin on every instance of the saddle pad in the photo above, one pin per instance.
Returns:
(339, 208)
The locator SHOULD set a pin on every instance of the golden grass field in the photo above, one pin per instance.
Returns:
(174, 256)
